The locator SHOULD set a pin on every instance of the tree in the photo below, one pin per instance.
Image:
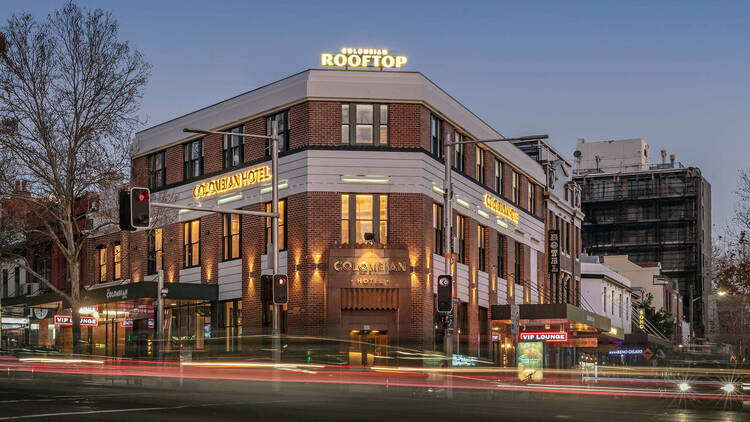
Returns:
(69, 94)
(660, 319)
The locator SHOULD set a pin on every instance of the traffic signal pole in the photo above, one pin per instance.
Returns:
(276, 333)
(447, 247)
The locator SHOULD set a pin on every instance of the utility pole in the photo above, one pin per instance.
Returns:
(160, 315)
(275, 235)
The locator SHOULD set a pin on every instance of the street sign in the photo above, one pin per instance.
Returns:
(648, 354)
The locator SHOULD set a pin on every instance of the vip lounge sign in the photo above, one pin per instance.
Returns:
(553, 251)
(545, 336)
(67, 321)
(362, 57)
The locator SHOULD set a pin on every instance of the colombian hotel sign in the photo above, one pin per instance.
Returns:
(233, 181)
(499, 208)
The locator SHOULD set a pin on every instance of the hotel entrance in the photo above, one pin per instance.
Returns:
(368, 347)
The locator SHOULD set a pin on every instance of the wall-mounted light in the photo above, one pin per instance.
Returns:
(283, 184)
(463, 203)
(502, 223)
(229, 199)
(438, 189)
(484, 214)
(364, 179)
(413, 269)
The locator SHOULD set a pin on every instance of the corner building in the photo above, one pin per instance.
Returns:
(360, 177)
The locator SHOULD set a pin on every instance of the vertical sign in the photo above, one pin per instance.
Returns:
(553, 251)
(641, 318)
(515, 316)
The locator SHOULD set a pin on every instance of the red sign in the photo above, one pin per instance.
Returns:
(545, 336)
(126, 323)
(67, 321)
(89, 322)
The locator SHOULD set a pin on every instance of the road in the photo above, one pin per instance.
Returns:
(31, 396)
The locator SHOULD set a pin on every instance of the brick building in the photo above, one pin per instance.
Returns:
(360, 177)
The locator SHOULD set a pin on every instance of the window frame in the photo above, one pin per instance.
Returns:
(5, 281)
(437, 228)
(459, 153)
(228, 149)
(482, 247)
(101, 263)
(532, 198)
(516, 190)
(227, 251)
(188, 243)
(461, 235)
(501, 255)
(283, 145)
(517, 267)
(189, 160)
(480, 155)
(160, 172)
(498, 176)
(376, 126)
(351, 220)
(153, 254)
(116, 261)
(436, 136)
(268, 225)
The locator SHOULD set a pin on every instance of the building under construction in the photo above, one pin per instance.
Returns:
(650, 212)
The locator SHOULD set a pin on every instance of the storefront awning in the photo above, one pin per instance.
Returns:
(147, 290)
(552, 311)
(43, 298)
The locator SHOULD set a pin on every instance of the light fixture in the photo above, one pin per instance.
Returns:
(229, 199)
(684, 386)
(483, 213)
(364, 179)
(721, 293)
(438, 189)
(283, 184)
(502, 223)
(463, 203)
(728, 388)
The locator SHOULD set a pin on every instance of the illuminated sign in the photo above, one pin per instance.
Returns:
(362, 57)
(626, 352)
(530, 361)
(545, 336)
(67, 321)
(499, 208)
(126, 323)
(232, 182)
(641, 318)
(553, 251)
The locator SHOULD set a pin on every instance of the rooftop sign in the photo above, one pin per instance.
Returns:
(234, 181)
(499, 208)
(362, 57)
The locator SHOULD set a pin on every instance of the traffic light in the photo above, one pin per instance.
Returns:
(280, 289)
(445, 294)
(140, 208)
(124, 199)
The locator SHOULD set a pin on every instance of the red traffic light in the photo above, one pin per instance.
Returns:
(282, 281)
(143, 197)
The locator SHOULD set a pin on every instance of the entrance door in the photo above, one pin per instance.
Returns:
(368, 347)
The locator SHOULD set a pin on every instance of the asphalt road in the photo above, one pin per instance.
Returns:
(62, 397)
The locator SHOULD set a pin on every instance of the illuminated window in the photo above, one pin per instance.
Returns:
(155, 250)
(116, 262)
(437, 228)
(461, 235)
(480, 165)
(364, 216)
(193, 159)
(191, 244)
(157, 174)
(436, 136)
(231, 237)
(233, 148)
(481, 231)
(102, 273)
(532, 195)
(516, 193)
(364, 124)
(459, 160)
(498, 176)
(282, 225)
(282, 120)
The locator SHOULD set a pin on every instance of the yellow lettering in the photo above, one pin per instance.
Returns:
(354, 60)
(376, 61)
(400, 61)
(326, 59)
(389, 61)
(337, 265)
(339, 60)
(366, 60)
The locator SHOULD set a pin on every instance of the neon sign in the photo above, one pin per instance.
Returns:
(232, 182)
(545, 336)
(67, 321)
(362, 57)
(499, 208)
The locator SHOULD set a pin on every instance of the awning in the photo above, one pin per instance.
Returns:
(553, 311)
(148, 289)
(34, 300)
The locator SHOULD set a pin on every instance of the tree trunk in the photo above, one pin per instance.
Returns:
(74, 275)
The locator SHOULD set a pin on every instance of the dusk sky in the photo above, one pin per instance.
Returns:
(673, 73)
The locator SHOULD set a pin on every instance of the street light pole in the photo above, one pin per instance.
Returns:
(275, 234)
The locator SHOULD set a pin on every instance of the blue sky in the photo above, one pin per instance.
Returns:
(673, 73)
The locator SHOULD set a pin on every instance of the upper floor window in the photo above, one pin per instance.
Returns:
(516, 192)
(364, 124)
(5, 283)
(519, 257)
(116, 262)
(436, 136)
(364, 218)
(42, 266)
(191, 242)
(437, 228)
(461, 235)
(155, 250)
(231, 237)
(532, 198)
(481, 231)
(281, 120)
(233, 148)
(459, 160)
(101, 252)
(500, 255)
(480, 165)
(282, 225)
(194, 159)
(498, 176)
(157, 173)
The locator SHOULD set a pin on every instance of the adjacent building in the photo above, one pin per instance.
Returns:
(651, 213)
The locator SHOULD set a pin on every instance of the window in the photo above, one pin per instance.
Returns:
(362, 214)
(612, 297)
(436, 136)
(480, 165)
(42, 267)
(281, 119)
(157, 174)
(437, 228)
(17, 278)
(5, 283)
(459, 160)
(233, 148)
(481, 231)
(193, 159)
(461, 235)
(498, 176)
(364, 124)
(532, 197)
(516, 193)
(155, 250)
(116, 262)
(500, 255)
(231, 244)
(191, 237)
(604, 300)
(102, 273)
(518, 262)
(282, 225)
(619, 305)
